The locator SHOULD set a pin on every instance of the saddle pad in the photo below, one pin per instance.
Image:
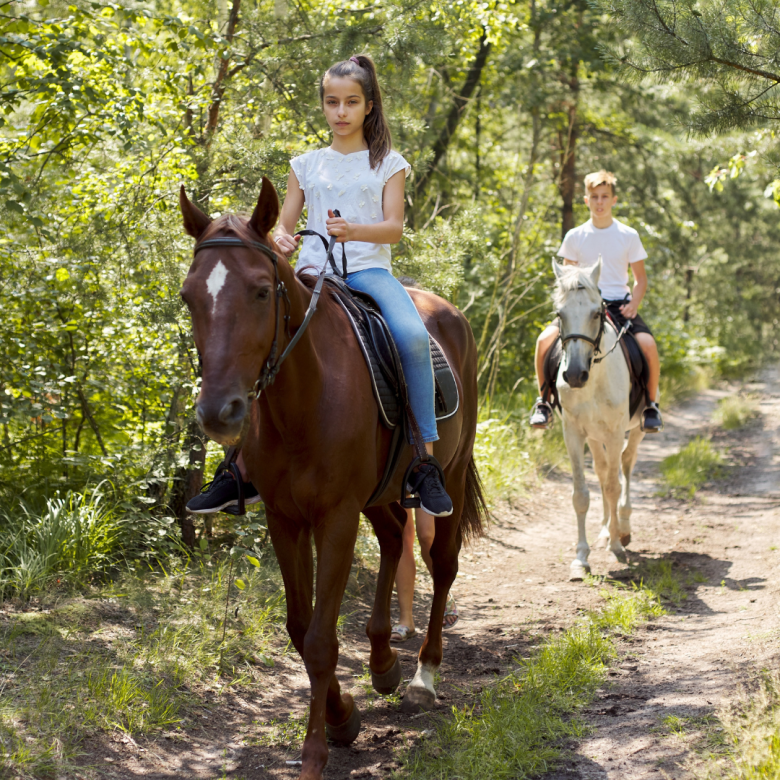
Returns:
(374, 340)
(639, 371)
(637, 368)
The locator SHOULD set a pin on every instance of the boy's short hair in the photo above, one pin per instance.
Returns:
(593, 180)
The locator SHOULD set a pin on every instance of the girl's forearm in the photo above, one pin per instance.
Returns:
(387, 232)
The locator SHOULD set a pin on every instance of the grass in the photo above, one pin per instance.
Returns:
(695, 464)
(133, 656)
(751, 733)
(510, 455)
(735, 411)
(518, 727)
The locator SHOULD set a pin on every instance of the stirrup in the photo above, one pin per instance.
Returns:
(413, 502)
(642, 420)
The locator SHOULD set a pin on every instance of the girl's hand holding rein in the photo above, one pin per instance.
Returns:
(288, 244)
(339, 227)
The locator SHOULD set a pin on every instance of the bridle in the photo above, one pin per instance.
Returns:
(273, 364)
(595, 343)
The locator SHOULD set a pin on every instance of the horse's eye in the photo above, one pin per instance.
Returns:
(263, 294)
(597, 315)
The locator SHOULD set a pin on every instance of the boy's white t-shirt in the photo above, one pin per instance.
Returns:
(618, 245)
(331, 180)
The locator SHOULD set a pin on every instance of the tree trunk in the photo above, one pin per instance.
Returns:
(456, 113)
(568, 147)
(188, 481)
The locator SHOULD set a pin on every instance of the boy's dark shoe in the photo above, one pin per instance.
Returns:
(425, 481)
(220, 493)
(541, 415)
(651, 419)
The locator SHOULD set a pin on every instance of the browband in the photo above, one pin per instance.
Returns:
(234, 241)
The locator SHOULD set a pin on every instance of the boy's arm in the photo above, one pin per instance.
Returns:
(631, 309)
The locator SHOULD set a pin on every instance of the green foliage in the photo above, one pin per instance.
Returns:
(75, 537)
(504, 466)
(735, 411)
(687, 470)
(518, 726)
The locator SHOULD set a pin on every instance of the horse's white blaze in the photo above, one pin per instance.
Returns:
(216, 282)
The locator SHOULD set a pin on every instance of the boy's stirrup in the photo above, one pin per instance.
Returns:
(651, 421)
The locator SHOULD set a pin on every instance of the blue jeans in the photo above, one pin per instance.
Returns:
(411, 338)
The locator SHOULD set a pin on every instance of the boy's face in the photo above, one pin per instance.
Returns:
(600, 201)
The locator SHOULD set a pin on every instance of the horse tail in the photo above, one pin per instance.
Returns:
(474, 506)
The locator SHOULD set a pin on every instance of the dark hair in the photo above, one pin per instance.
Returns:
(375, 129)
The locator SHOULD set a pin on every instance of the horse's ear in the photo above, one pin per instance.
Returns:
(595, 272)
(267, 210)
(557, 268)
(195, 221)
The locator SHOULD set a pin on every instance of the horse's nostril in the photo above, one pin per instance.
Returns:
(232, 411)
(584, 376)
(566, 376)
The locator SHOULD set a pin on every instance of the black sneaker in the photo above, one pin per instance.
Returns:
(651, 419)
(221, 492)
(433, 497)
(541, 415)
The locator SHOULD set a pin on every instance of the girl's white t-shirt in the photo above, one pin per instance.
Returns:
(619, 245)
(331, 180)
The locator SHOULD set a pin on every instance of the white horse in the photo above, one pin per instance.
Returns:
(594, 396)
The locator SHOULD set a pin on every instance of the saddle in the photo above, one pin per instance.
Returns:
(387, 378)
(638, 370)
(382, 359)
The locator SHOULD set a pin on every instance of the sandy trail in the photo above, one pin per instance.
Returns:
(513, 588)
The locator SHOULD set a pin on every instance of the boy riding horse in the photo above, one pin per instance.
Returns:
(619, 247)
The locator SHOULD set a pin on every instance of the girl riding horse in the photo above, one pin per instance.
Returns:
(363, 178)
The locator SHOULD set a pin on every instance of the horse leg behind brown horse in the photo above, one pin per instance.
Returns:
(315, 449)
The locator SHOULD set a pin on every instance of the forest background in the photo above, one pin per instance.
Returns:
(501, 108)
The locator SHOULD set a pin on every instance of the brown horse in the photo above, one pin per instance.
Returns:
(315, 449)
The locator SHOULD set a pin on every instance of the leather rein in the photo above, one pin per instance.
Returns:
(273, 364)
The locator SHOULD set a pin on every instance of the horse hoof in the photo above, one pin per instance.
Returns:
(578, 571)
(388, 681)
(348, 731)
(625, 540)
(618, 556)
(417, 700)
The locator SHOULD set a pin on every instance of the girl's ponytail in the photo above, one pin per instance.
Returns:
(375, 128)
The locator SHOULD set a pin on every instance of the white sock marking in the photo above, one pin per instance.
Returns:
(216, 282)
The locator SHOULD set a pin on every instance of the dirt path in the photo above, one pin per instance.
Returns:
(514, 587)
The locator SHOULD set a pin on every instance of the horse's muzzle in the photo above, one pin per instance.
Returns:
(223, 419)
(575, 378)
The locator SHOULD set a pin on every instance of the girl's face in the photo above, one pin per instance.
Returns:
(345, 105)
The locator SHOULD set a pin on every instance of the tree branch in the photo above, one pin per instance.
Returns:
(220, 82)
(456, 112)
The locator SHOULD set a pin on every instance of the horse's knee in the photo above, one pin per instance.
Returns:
(580, 498)
(320, 653)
